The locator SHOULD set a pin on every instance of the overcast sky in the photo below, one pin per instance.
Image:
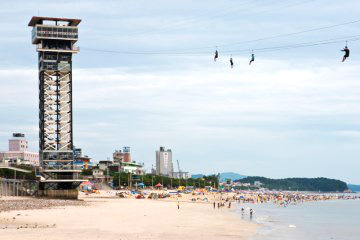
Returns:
(293, 113)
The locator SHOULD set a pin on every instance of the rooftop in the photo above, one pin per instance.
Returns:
(38, 20)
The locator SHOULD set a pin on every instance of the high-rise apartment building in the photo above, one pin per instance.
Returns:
(164, 164)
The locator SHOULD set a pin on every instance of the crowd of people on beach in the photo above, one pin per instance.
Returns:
(282, 199)
(286, 198)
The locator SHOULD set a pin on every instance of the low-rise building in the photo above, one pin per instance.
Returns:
(133, 168)
(257, 183)
(122, 155)
(122, 162)
(181, 175)
(83, 162)
(18, 152)
(97, 172)
(105, 164)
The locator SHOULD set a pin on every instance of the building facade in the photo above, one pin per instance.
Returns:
(83, 162)
(164, 164)
(18, 152)
(122, 155)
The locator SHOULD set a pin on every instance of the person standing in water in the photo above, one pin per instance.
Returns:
(251, 213)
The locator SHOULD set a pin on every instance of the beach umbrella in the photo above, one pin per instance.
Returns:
(158, 185)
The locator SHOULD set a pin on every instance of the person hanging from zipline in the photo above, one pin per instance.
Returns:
(216, 55)
(252, 57)
(347, 53)
(231, 62)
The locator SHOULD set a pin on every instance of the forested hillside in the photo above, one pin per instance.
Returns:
(300, 184)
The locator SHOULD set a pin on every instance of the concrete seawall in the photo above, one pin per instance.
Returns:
(59, 194)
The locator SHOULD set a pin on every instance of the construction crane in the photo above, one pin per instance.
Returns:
(180, 174)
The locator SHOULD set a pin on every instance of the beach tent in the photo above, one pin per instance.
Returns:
(142, 185)
(158, 185)
(86, 186)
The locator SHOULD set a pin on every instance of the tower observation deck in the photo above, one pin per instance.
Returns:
(55, 40)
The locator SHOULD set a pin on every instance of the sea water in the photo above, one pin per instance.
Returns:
(321, 220)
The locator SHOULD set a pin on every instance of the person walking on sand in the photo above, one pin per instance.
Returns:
(251, 213)
(229, 205)
(178, 205)
(214, 205)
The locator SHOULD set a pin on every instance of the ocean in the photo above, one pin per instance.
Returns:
(321, 220)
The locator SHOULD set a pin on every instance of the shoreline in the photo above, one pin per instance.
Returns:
(282, 223)
(129, 218)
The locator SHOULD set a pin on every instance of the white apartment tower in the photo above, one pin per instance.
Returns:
(164, 164)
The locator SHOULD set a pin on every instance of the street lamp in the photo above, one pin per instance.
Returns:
(120, 160)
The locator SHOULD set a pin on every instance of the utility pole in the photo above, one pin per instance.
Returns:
(120, 161)
(119, 177)
(107, 172)
(130, 180)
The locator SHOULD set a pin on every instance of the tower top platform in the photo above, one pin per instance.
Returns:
(39, 20)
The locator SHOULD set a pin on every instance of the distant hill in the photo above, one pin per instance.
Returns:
(354, 188)
(230, 175)
(300, 184)
(223, 176)
(197, 176)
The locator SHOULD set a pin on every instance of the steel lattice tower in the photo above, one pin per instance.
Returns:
(55, 40)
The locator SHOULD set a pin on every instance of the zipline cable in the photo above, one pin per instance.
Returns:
(265, 49)
(269, 37)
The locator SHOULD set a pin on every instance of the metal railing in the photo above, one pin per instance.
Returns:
(16, 187)
(62, 167)
(40, 47)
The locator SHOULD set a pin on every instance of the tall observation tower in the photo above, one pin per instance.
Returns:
(55, 40)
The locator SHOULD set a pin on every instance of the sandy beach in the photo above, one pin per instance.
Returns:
(129, 218)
